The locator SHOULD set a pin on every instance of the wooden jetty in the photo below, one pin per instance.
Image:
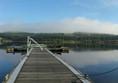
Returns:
(42, 66)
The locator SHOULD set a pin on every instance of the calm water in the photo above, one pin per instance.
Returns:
(7, 62)
(100, 65)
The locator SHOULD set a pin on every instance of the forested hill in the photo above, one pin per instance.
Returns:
(77, 37)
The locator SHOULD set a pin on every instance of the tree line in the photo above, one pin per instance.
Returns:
(61, 38)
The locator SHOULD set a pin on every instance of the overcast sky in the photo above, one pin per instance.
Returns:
(96, 16)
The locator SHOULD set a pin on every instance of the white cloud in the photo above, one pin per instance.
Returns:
(82, 3)
(91, 14)
(79, 24)
(96, 4)
(83, 24)
(113, 3)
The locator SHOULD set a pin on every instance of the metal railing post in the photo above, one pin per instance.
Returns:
(36, 43)
(28, 45)
(29, 40)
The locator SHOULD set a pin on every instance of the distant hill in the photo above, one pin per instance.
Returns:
(61, 38)
(92, 34)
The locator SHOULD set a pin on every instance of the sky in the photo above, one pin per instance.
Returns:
(54, 16)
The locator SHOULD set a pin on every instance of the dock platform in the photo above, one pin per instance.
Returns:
(42, 67)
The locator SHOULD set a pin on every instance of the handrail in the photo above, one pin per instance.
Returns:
(12, 77)
(29, 40)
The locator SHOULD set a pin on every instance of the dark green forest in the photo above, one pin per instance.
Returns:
(62, 38)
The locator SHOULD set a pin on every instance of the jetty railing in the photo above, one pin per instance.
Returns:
(29, 46)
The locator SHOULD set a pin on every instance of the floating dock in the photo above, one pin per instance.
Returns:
(42, 66)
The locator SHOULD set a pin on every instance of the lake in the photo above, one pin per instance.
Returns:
(7, 62)
(100, 65)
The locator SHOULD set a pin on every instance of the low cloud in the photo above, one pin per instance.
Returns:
(67, 25)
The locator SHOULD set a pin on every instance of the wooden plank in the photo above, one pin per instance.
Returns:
(42, 67)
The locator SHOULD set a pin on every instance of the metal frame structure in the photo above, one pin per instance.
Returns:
(15, 73)
(29, 40)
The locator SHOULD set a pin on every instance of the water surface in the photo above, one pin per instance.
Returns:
(7, 62)
(100, 65)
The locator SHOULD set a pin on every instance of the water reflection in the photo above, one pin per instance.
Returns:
(7, 62)
(92, 57)
(94, 61)
(84, 47)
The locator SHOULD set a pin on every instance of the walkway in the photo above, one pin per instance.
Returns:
(42, 67)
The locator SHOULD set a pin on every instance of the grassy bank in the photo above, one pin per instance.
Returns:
(2, 40)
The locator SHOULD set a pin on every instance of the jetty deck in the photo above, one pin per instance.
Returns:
(42, 67)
